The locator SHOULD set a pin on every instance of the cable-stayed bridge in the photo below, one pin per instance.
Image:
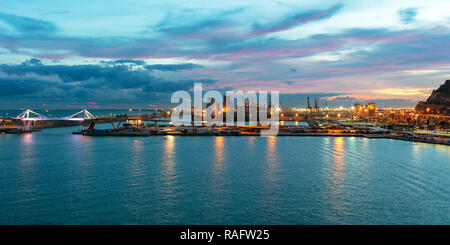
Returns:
(29, 115)
(30, 120)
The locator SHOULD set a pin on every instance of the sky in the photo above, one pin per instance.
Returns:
(120, 54)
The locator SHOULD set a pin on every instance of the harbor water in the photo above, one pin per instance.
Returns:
(54, 177)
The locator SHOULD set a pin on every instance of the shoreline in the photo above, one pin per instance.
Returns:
(369, 136)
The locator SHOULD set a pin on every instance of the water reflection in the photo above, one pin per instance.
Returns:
(83, 160)
(26, 139)
(337, 167)
(337, 177)
(168, 170)
(137, 159)
(26, 167)
(135, 178)
(272, 165)
(251, 141)
(218, 173)
(26, 155)
(271, 160)
(80, 139)
(271, 184)
(271, 156)
(219, 154)
(169, 158)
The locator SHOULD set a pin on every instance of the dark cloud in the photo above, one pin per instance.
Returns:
(90, 76)
(33, 81)
(27, 25)
(20, 86)
(407, 15)
(32, 61)
(172, 67)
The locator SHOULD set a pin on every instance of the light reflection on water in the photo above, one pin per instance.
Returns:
(27, 168)
(338, 165)
(219, 143)
(271, 184)
(219, 161)
(169, 175)
(137, 159)
(27, 138)
(58, 178)
(217, 184)
(337, 177)
(271, 158)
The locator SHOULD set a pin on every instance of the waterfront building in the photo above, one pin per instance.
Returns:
(364, 110)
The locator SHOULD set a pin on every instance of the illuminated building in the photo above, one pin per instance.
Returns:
(362, 110)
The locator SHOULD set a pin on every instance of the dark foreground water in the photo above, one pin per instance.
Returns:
(54, 177)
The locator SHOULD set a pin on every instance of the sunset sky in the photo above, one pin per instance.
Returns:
(110, 53)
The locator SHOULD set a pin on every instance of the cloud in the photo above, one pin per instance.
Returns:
(295, 20)
(350, 100)
(32, 61)
(171, 67)
(20, 87)
(195, 29)
(198, 26)
(25, 25)
(234, 50)
(219, 37)
(111, 83)
(125, 61)
(299, 100)
(407, 15)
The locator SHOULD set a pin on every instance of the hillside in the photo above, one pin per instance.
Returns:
(438, 102)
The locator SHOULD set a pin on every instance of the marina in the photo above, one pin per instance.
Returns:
(158, 124)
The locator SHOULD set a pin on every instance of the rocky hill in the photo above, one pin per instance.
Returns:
(438, 102)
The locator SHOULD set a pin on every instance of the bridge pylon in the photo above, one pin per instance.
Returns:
(26, 115)
(86, 114)
(26, 119)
